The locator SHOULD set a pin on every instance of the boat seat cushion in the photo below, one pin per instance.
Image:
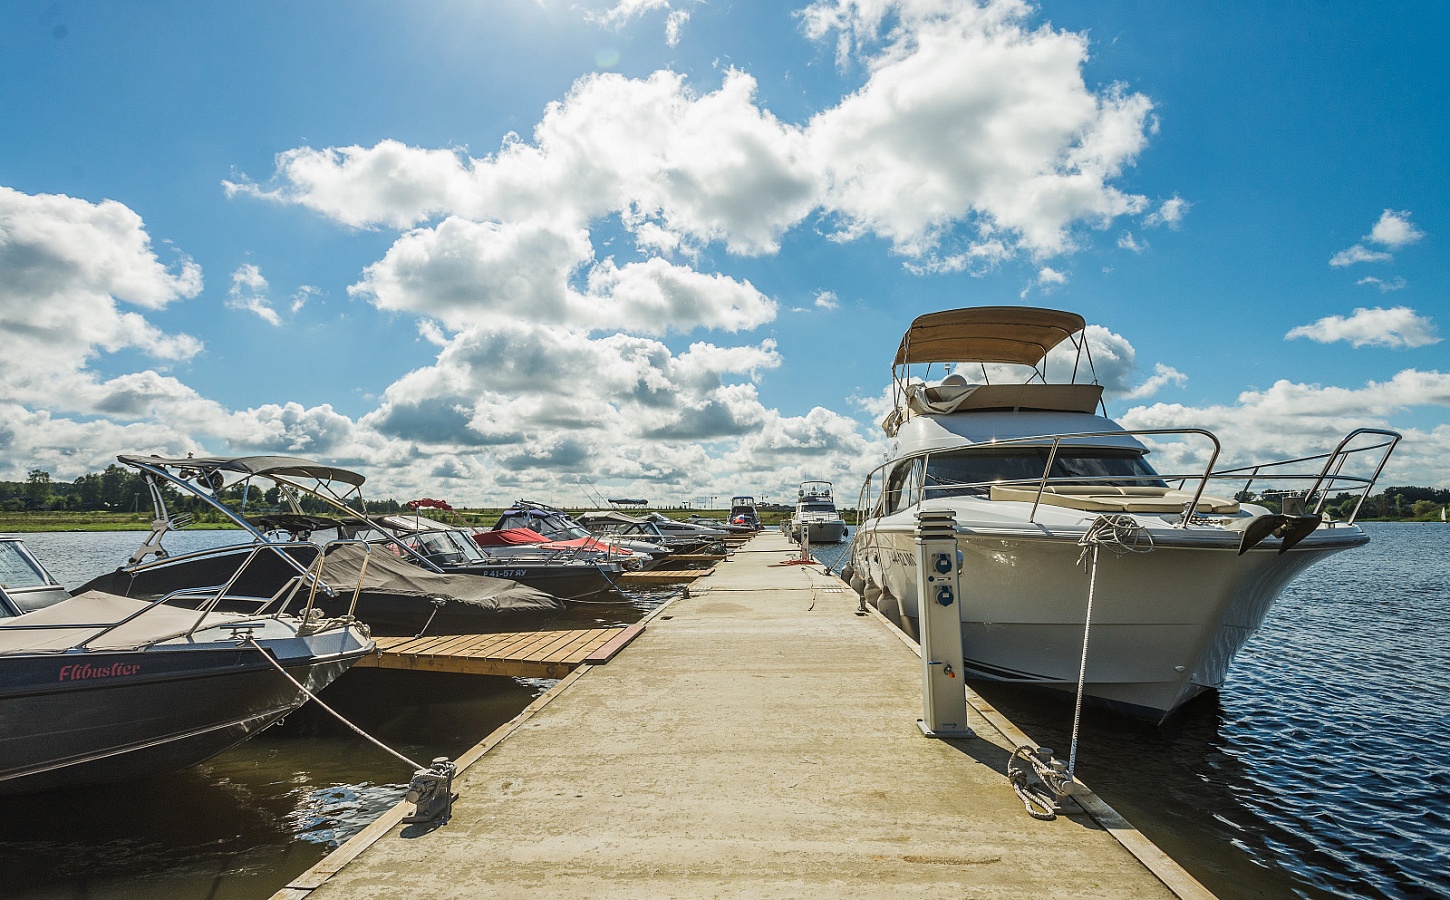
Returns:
(1106, 498)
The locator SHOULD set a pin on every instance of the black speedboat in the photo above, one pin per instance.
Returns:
(98, 687)
(288, 508)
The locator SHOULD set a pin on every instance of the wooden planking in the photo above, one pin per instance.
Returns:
(694, 557)
(661, 576)
(528, 654)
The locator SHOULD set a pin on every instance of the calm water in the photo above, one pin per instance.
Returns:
(1319, 771)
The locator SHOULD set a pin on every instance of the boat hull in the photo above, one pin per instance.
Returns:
(85, 718)
(567, 582)
(825, 532)
(1165, 624)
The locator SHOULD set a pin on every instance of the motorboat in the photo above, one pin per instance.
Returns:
(691, 527)
(297, 510)
(557, 571)
(613, 524)
(815, 518)
(1056, 505)
(563, 530)
(97, 687)
(733, 531)
(743, 513)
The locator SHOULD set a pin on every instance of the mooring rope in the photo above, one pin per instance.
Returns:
(250, 639)
(1122, 535)
(628, 597)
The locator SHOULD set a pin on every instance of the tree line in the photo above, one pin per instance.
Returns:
(122, 490)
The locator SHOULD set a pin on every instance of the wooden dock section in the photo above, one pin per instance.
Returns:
(759, 740)
(656, 577)
(530, 654)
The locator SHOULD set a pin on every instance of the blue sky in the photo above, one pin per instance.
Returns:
(483, 250)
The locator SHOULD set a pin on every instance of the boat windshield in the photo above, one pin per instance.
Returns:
(445, 548)
(18, 570)
(816, 506)
(972, 471)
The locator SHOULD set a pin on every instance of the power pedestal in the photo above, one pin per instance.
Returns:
(939, 611)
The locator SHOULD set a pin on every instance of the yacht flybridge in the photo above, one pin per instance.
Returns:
(1056, 506)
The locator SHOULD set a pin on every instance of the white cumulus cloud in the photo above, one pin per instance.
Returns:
(1399, 326)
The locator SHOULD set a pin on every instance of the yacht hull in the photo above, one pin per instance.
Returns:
(1165, 625)
(825, 532)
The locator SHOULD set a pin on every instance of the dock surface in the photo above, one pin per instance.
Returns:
(759, 740)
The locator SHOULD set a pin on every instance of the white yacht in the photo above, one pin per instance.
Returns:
(1059, 512)
(815, 517)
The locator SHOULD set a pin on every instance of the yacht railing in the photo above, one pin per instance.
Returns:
(1329, 476)
(1332, 471)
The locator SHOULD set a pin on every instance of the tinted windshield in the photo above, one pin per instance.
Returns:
(17, 569)
(950, 473)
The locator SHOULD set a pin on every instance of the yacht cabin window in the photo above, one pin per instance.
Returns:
(903, 489)
(972, 471)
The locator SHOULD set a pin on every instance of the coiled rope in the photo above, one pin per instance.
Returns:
(1041, 802)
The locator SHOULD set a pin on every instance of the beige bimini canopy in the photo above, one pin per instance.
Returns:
(987, 334)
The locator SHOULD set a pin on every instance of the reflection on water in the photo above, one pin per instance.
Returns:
(1318, 772)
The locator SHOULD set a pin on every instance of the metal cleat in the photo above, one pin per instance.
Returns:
(431, 790)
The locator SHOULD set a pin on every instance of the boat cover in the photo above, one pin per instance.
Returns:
(100, 609)
(612, 517)
(503, 536)
(387, 574)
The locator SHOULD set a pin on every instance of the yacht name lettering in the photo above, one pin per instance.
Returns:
(86, 671)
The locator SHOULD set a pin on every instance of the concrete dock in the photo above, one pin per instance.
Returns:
(759, 739)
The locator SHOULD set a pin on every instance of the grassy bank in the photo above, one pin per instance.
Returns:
(26, 522)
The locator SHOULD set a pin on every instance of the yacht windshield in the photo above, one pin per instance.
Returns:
(972, 471)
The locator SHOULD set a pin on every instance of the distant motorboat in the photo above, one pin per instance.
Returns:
(562, 529)
(1038, 482)
(743, 513)
(99, 687)
(612, 524)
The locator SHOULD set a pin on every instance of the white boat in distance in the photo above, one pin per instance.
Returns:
(1038, 481)
(815, 515)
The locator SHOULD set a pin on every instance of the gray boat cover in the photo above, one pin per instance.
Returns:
(387, 574)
